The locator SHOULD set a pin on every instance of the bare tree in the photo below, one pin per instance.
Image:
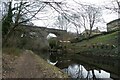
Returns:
(90, 15)
(114, 6)
(24, 12)
(19, 14)
(93, 16)
(66, 16)
(61, 22)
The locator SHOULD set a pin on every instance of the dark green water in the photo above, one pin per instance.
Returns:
(93, 67)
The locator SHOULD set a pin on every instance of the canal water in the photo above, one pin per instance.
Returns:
(79, 71)
(86, 67)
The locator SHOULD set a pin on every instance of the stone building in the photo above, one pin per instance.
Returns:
(94, 32)
(113, 25)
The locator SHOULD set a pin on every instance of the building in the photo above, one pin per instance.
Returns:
(94, 32)
(113, 25)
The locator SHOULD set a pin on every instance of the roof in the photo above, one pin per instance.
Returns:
(114, 21)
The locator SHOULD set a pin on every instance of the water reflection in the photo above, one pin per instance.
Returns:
(52, 63)
(79, 71)
(93, 67)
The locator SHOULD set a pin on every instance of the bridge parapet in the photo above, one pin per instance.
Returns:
(43, 30)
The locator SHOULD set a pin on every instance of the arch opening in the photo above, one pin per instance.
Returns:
(51, 35)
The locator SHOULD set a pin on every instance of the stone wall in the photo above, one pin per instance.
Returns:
(113, 25)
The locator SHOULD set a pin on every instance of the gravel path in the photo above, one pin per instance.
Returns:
(29, 65)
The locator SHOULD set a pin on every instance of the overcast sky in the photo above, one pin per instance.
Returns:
(50, 17)
(105, 14)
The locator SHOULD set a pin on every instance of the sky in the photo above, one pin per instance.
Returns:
(50, 17)
(105, 14)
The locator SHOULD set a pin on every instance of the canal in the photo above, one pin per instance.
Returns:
(87, 66)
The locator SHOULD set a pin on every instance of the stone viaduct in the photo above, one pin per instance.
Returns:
(42, 31)
(34, 37)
